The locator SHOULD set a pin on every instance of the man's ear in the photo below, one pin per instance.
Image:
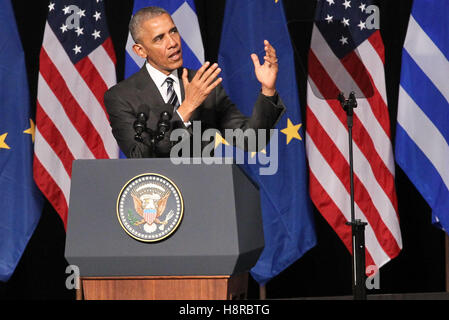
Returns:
(139, 50)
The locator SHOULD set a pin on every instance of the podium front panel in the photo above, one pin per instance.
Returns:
(220, 232)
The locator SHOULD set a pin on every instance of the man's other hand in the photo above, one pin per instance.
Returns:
(266, 73)
(197, 90)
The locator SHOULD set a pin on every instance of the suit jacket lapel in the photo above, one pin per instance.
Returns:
(149, 91)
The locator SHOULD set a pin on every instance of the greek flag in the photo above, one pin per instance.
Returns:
(422, 134)
(186, 20)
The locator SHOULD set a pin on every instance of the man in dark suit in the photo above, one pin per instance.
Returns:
(163, 85)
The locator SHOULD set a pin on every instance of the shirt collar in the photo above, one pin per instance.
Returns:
(159, 78)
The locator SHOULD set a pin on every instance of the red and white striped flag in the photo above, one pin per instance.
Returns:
(346, 51)
(77, 65)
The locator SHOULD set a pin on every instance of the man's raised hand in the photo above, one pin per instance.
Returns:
(266, 73)
(197, 90)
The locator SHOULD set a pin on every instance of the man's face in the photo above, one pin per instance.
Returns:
(160, 44)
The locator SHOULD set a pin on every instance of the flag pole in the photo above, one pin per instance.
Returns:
(262, 292)
(357, 226)
(446, 254)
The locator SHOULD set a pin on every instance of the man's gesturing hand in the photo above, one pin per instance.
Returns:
(267, 72)
(197, 90)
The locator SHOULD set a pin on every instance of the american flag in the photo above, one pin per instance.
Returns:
(77, 65)
(347, 54)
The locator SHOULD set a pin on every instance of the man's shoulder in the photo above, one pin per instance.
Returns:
(130, 83)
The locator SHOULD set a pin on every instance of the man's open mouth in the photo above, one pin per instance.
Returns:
(175, 55)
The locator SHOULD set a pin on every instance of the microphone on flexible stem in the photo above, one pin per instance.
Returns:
(163, 126)
(163, 144)
(140, 126)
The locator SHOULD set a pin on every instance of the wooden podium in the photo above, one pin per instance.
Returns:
(218, 240)
(164, 288)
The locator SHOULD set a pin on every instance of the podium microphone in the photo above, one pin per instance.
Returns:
(140, 124)
(163, 126)
(163, 144)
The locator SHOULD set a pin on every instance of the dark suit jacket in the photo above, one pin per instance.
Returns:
(139, 93)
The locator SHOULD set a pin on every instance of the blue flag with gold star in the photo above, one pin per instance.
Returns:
(20, 201)
(286, 208)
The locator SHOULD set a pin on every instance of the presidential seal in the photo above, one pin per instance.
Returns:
(150, 207)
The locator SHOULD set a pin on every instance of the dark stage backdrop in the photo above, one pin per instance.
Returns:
(326, 269)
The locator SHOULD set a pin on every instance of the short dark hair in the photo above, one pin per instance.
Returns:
(140, 17)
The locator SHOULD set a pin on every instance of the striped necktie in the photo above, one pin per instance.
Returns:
(171, 94)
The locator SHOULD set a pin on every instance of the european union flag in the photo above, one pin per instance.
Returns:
(286, 208)
(20, 201)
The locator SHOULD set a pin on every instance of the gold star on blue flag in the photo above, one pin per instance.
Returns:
(20, 200)
(292, 131)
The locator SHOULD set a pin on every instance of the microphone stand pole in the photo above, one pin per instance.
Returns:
(357, 226)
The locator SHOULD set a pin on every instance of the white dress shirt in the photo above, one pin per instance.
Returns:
(159, 79)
